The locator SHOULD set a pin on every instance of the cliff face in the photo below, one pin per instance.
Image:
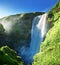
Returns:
(17, 29)
(50, 48)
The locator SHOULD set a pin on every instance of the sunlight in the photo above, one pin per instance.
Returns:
(6, 12)
(3, 12)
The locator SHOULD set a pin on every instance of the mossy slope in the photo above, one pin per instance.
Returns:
(9, 57)
(50, 48)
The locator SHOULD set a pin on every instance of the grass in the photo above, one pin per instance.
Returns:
(50, 48)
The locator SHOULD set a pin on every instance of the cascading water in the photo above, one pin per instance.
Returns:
(38, 32)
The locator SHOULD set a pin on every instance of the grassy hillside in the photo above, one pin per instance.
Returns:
(50, 48)
(9, 57)
(54, 13)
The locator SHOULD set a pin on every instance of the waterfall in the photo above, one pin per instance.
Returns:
(38, 32)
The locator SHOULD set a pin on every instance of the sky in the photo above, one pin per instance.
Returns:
(11, 7)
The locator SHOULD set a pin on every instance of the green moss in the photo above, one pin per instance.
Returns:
(54, 13)
(50, 48)
(49, 57)
(9, 57)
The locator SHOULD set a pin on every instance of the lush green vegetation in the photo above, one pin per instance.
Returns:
(54, 13)
(9, 57)
(50, 48)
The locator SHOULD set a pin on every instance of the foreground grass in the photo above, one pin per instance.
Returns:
(9, 57)
(50, 48)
